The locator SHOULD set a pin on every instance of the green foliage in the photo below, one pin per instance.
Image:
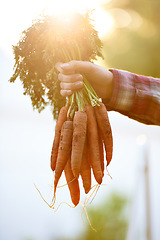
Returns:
(49, 40)
(108, 219)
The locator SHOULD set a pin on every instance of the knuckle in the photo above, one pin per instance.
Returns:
(74, 63)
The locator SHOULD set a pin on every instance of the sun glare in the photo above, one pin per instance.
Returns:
(63, 6)
(22, 17)
(103, 21)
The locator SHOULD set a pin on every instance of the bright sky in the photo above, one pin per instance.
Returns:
(16, 16)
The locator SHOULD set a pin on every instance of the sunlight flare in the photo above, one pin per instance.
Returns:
(103, 20)
(22, 17)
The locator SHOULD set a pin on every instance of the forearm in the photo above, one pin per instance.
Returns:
(135, 96)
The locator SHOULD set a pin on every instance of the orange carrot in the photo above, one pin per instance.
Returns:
(64, 150)
(101, 151)
(93, 144)
(105, 129)
(62, 117)
(73, 183)
(86, 169)
(79, 135)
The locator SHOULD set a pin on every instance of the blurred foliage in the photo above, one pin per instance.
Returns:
(134, 43)
(108, 218)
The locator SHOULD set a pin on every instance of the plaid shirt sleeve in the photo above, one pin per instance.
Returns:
(135, 96)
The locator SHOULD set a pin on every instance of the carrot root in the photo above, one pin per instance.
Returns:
(93, 144)
(105, 129)
(86, 169)
(73, 183)
(62, 117)
(79, 135)
(63, 150)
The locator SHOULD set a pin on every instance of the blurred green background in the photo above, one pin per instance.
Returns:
(134, 44)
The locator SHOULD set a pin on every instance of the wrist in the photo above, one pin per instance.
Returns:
(109, 85)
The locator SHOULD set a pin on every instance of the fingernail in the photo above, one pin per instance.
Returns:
(79, 83)
(65, 65)
(69, 92)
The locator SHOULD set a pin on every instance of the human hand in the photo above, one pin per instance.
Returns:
(71, 77)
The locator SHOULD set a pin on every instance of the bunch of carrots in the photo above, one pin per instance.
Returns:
(79, 145)
(83, 136)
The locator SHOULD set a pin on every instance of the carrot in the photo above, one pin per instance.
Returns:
(105, 130)
(101, 151)
(93, 144)
(62, 117)
(64, 150)
(86, 169)
(72, 182)
(79, 135)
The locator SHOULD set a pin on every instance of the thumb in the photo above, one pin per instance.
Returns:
(76, 67)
